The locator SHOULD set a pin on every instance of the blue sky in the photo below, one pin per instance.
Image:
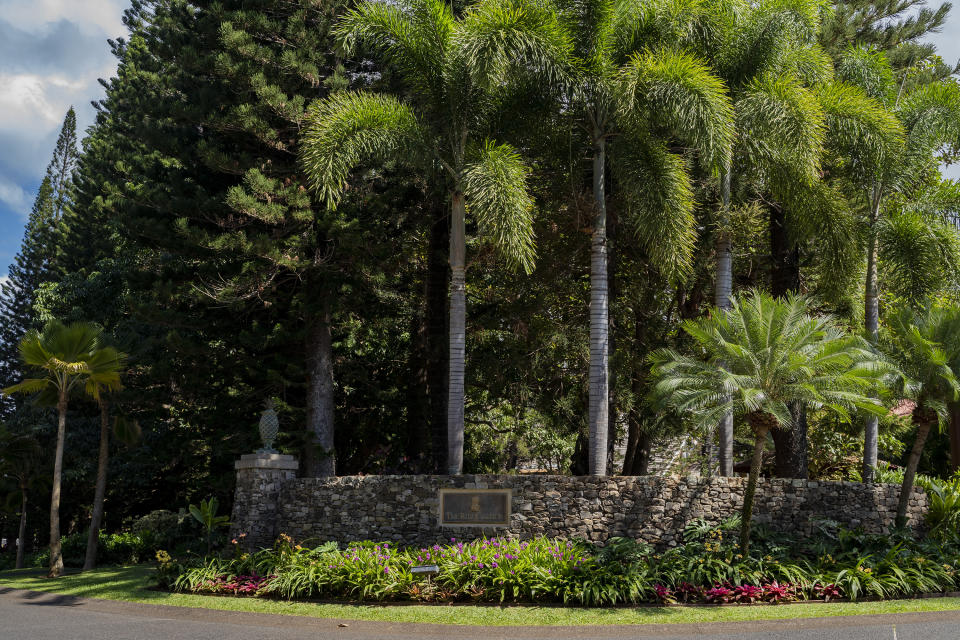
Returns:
(51, 54)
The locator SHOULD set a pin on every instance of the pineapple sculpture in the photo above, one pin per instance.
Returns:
(269, 426)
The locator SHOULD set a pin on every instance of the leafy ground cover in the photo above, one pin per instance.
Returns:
(134, 584)
(709, 568)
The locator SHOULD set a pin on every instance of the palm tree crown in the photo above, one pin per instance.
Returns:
(756, 359)
(774, 352)
(926, 347)
(68, 357)
(459, 73)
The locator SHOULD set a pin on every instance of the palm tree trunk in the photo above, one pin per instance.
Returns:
(56, 557)
(599, 315)
(790, 444)
(93, 537)
(721, 298)
(923, 423)
(458, 333)
(746, 516)
(612, 292)
(320, 454)
(636, 461)
(438, 360)
(22, 532)
(871, 324)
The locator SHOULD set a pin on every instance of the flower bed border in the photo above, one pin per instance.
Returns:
(560, 605)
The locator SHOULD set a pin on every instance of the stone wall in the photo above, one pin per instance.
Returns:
(404, 509)
(256, 502)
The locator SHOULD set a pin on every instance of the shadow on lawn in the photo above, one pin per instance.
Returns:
(115, 583)
(135, 584)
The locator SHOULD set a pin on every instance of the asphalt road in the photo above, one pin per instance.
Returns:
(29, 615)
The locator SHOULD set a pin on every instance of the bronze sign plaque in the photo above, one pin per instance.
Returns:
(474, 507)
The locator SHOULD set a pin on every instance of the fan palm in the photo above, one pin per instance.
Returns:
(926, 348)
(929, 117)
(756, 359)
(99, 392)
(20, 459)
(67, 358)
(635, 81)
(457, 73)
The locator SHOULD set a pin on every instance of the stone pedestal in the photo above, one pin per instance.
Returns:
(260, 479)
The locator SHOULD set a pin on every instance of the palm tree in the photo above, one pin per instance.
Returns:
(20, 459)
(635, 81)
(929, 117)
(857, 130)
(766, 53)
(756, 359)
(457, 72)
(68, 357)
(926, 348)
(99, 392)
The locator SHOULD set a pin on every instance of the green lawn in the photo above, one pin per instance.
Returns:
(131, 584)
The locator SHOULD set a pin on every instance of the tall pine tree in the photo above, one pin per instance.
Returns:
(35, 263)
(29, 270)
(63, 164)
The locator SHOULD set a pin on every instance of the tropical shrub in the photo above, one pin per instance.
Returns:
(112, 548)
(709, 567)
(943, 516)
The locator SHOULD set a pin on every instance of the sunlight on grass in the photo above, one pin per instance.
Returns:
(132, 584)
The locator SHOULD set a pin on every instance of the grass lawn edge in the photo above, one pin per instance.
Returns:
(132, 584)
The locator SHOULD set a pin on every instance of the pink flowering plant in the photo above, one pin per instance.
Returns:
(707, 567)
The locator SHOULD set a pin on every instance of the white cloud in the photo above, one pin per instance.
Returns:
(52, 53)
(35, 102)
(14, 196)
(102, 15)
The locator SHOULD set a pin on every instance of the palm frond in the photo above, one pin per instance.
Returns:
(413, 35)
(659, 198)
(30, 385)
(781, 123)
(657, 24)
(931, 116)
(677, 93)
(869, 70)
(348, 128)
(860, 128)
(497, 36)
(495, 186)
(920, 255)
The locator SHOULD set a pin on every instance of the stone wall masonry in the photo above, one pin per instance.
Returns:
(256, 503)
(405, 509)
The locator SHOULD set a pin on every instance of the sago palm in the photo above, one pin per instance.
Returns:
(67, 359)
(926, 348)
(756, 359)
(636, 83)
(457, 72)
